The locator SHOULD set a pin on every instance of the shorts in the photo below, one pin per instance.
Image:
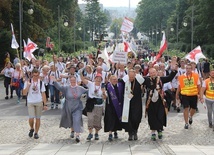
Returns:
(35, 110)
(189, 101)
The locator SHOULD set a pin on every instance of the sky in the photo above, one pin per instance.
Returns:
(117, 3)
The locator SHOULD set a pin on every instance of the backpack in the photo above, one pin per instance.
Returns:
(40, 86)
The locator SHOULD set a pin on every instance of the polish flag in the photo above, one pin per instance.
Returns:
(163, 47)
(14, 43)
(195, 55)
(127, 25)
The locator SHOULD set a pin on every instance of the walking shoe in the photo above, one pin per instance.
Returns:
(190, 120)
(18, 101)
(11, 96)
(96, 136)
(186, 126)
(130, 137)
(178, 110)
(31, 133)
(36, 136)
(78, 139)
(72, 134)
(52, 106)
(115, 135)
(153, 137)
(135, 136)
(56, 106)
(110, 137)
(90, 136)
(160, 135)
(210, 125)
(6, 98)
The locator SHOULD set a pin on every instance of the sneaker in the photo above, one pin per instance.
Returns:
(77, 139)
(56, 106)
(115, 135)
(153, 137)
(52, 106)
(135, 136)
(190, 120)
(130, 137)
(31, 133)
(6, 98)
(186, 126)
(11, 96)
(96, 136)
(18, 101)
(160, 135)
(210, 125)
(110, 137)
(90, 136)
(178, 110)
(36, 136)
(72, 134)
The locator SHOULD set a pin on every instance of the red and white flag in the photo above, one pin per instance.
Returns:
(127, 25)
(14, 43)
(163, 47)
(29, 49)
(195, 55)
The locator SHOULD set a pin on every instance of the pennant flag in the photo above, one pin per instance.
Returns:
(163, 47)
(195, 55)
(14, 43)
(29, 49)
(127, 25)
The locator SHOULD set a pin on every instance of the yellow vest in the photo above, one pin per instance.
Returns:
(189, 87)
(209, 89)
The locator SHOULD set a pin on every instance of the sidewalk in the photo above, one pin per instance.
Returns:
(14, 140)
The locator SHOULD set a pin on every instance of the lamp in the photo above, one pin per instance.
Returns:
(30, 11)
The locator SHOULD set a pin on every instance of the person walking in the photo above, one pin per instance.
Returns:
(8, 71)
(94, 104)
(71, 116)
(35, 91)
(155, 104)
(189, 88)
(132, 108)
(208, 88)
(113, 107)
(17, 81)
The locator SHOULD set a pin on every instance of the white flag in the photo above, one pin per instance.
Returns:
(195, 55)
(14, 43)
(127, 25)
(29, 49)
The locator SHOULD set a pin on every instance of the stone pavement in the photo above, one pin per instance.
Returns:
(14, 140)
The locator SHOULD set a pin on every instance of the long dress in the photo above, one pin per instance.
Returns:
(156, 110)
(71, 115)
(135, 110)
(113, 111)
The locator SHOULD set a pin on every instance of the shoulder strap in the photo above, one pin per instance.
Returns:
(40, 86)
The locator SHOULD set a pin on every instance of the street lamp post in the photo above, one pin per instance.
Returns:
(192, 25)
(65, 23)
(30, 11)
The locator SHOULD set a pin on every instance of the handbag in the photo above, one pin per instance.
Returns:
(15, 84)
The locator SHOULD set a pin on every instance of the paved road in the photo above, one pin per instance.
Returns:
(198, 139)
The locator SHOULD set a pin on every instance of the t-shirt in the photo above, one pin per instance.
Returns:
(92, 93)
(34, 92)
(8, 72)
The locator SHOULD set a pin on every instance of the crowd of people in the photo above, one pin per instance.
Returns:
(114, 91)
